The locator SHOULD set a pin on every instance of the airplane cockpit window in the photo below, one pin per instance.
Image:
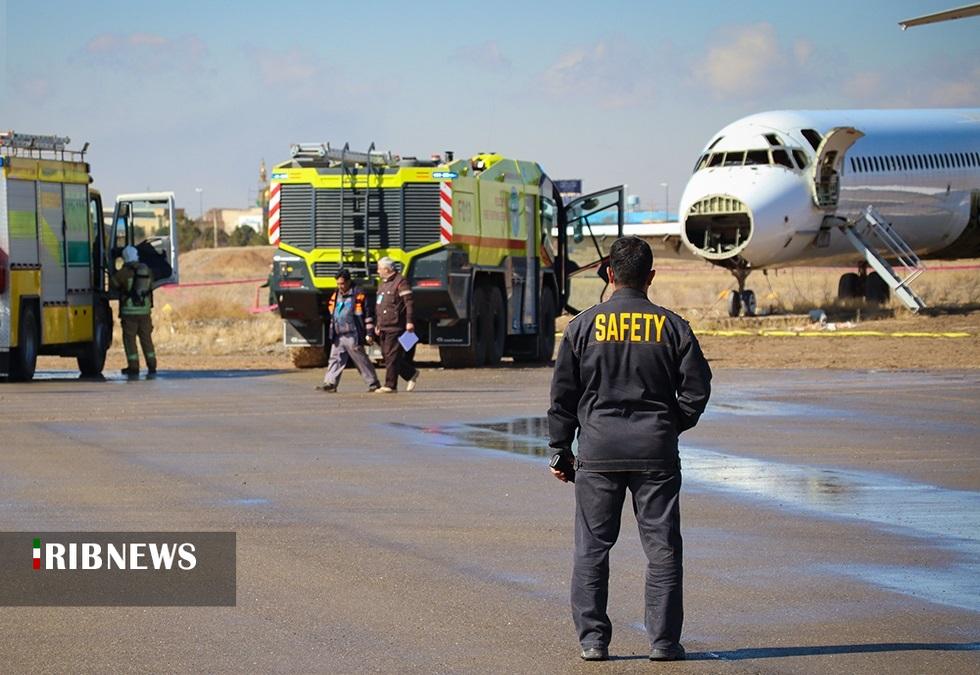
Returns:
(715, 142)
(812, 137)
(758, 157)
(734, 159)
(773, 139)
(781, 157)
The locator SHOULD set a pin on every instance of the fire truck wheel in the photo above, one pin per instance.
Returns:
(92, 359)
(23, 359)
(495, 330)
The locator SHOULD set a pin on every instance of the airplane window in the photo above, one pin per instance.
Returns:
(902, 164)
(853, 170)
(755, 157)
(800, 158)
(889, 164)
(773, 139)
(876, 163)
(782, 157)
(715, 142)
(716, 159)
(734, 158)
(701, 163)
(812, 137)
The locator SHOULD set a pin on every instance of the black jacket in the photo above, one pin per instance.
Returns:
(630, 377)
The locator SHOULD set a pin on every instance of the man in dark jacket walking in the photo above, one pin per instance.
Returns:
(629, 378)
(395, 316)
(351, 327)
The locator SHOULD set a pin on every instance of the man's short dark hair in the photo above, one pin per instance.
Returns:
(631, 260)
(343, 273)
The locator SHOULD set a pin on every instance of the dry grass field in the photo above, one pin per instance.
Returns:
(211, 327)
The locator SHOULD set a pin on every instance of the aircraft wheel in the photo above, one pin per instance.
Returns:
(876, 291)
(748, 302)
(849, 287)
(734, 303)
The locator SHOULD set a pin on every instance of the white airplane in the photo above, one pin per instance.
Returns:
(860, 187)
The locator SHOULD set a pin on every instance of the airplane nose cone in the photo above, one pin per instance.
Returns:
(717, 227)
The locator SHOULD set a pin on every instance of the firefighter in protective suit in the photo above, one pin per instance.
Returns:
(135, 283)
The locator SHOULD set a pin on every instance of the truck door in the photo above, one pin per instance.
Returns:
(826, 170)
(147, 221)
(592, 223)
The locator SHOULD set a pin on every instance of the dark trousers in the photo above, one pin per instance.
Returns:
(141, 326)
(599, 500)
(398, 362)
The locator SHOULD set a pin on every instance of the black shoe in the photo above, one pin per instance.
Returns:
(130, 372)
(374, 387)
(329, 388)
(675, 653)
(151, 371)
(595, 654)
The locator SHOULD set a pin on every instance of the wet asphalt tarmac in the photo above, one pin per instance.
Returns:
(831, 523)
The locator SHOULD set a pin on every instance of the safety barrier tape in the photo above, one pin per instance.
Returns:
(830, 333)
(199, 284)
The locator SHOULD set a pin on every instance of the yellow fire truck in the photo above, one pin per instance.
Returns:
(483, 242)
(56, 254)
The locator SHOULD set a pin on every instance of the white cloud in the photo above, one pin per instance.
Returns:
(144, 51)
(746, 61)
(611, 74)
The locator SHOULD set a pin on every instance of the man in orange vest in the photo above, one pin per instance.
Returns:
(351, 327)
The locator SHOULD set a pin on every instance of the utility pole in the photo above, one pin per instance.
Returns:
(666, 187)
(215, 227)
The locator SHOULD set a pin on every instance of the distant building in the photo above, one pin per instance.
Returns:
(230, 219)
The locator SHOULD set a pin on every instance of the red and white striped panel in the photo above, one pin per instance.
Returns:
(446, 212)
(274, 214)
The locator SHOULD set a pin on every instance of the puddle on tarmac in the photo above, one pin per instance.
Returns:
(948, 519)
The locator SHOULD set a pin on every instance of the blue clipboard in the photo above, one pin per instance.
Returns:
(408, 340)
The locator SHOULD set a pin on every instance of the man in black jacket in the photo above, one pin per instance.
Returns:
(629, 378)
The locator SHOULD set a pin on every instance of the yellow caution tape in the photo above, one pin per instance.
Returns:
(827, 333)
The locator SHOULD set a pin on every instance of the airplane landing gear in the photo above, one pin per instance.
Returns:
(871, 287)
(741, 299)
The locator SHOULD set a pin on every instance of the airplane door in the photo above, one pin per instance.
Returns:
(825, 177)
(147, 221)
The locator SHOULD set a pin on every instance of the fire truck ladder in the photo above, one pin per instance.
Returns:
(34, 145)
(898, 249)
(361, 199)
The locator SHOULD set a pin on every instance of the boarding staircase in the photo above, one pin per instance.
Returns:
(872, 223)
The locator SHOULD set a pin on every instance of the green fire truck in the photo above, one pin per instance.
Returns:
(483, 241)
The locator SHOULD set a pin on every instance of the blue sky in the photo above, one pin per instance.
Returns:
(180, 95)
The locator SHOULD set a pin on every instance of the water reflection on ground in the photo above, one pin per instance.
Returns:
(948, 519)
